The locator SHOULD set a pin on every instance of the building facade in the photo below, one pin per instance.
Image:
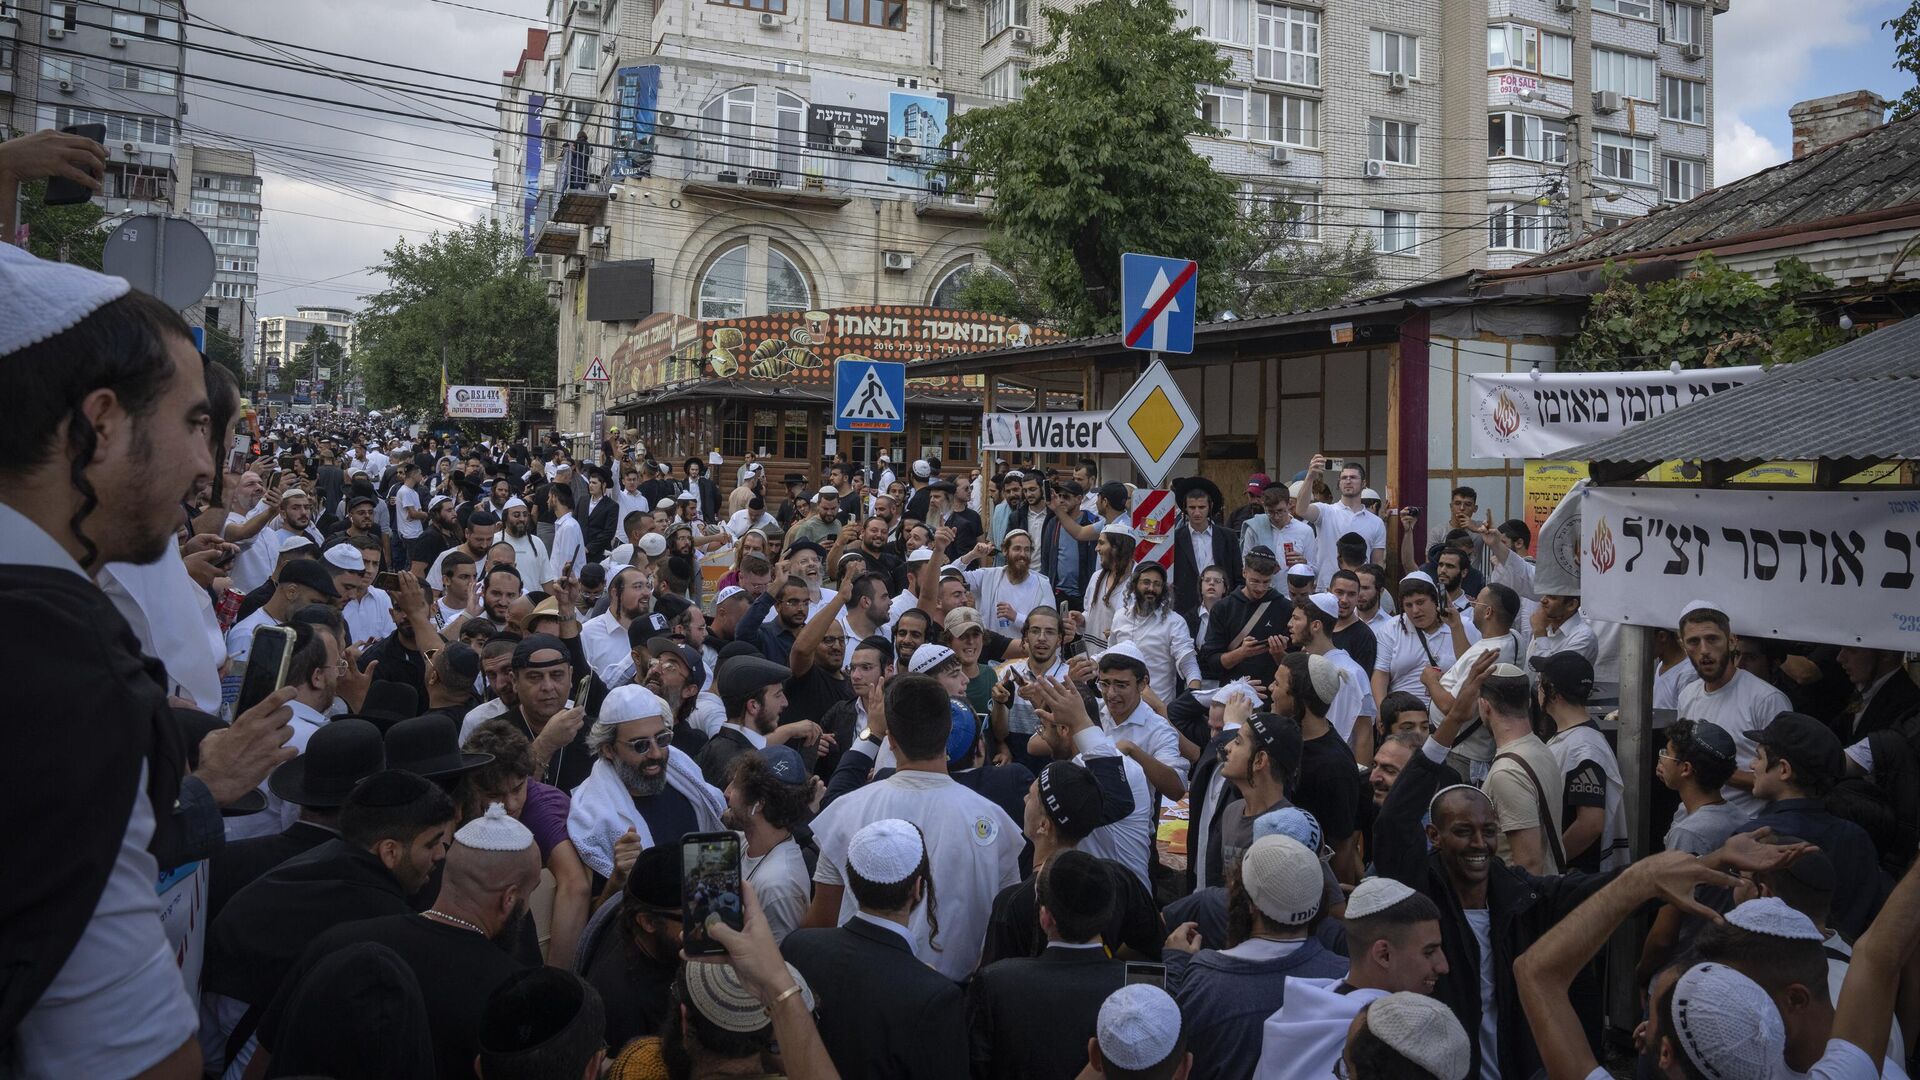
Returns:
(220, 192)
(281, 337)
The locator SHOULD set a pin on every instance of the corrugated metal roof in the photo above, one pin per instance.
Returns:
(1874, 171)
(1854, 402)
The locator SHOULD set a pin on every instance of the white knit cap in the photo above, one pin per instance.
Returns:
(514, 503)
(689, 496)
(436, 500)
(1422, 1030)
(630, 702)
(1369, 495)
(1420, 575)
(716, 992)
(919, 554)
(40, 299)
(726, 594)
(1374, 895)
(1301, 571)
(295, 543)
(928, 657)
(1325, 675)
(1283, 879)
(1326, 602)
(346, 557)
(886, 851)
(621, 556)
(495, 831)
(1224, 694)
(1139, 1026)
(1119, 527)
(1770, 915)
(653, 545)
(1726, 1024)
(1127, 649)
(922, 469)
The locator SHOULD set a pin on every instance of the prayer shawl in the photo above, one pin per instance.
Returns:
(603, 809)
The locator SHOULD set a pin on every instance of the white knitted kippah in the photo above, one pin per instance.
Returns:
(41, 299)
(495, 831)
(1726, 1025)
(630, 702)
(1375, 895)
(1770, 915)
(1138, 1027)
(885, 851)
(1424, 1031)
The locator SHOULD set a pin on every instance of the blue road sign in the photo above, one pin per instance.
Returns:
(869, 395)
(1157, 302)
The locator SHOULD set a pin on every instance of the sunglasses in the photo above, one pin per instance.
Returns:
(641, 744)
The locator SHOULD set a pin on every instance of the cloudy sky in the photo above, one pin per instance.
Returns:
(343, 184)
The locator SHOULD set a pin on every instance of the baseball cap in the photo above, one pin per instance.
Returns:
(1567, 672)
(310, 573)
(962, 619)
(1810, 745)
(1258, 482)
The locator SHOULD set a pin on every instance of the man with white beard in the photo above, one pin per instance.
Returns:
(529, 552)
(1161, 634)
(641, 788)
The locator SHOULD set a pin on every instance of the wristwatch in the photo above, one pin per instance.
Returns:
(867, 734)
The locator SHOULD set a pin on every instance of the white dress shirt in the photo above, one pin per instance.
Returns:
(1164, 640)
(568, 547)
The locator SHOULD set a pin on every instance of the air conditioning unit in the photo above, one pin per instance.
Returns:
(1021, 37)
(768, 22)
(904, 148)
(763, 177)
(1376, 169)
(1607, 102)
(956, 5)
(1566, 5)
(129, 149)
(56, 33)
(1279, 155)
(599, 236)
(117, 41)
(66, 86)
(847, 138)
(664, 122)
(1397, 82)
(896, 260)
(1692, 51)
(589, 8)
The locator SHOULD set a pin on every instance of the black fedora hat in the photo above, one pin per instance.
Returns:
(195, 726)
(1186, 485)
(387, 703)
(337, 757)
(430, 746)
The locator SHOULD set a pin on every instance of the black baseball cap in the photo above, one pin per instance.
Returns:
(1569, 673)
(312, 574)
(1810, 745)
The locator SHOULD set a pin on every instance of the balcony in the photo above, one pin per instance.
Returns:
(950, 207)
(9, 27)
(737, 174)
(583, 197)
(553, 237)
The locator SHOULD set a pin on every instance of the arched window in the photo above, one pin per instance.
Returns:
(723, 289)
(947, 293)
(786, 285)
(728, 121)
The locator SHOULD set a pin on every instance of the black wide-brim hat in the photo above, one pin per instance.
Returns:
(337, 757)
(1186, 485)
(429, 746)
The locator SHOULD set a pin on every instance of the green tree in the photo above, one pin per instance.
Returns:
(1710, 316)
(1093, 161)
(1906, 56)
(468, 292)
(62, 233)
(224, 349)
(320, 353)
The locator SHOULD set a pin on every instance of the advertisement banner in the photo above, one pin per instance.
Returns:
(476, 402)
(1524, 415)
(1049, 433)
(636, 104)
(1827, 566)
(800, 346)
(530, 181)
(916, 128)
(1547, 482)
(847, 131)
(660, 349)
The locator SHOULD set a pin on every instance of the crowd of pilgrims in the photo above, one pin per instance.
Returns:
(1010, 801)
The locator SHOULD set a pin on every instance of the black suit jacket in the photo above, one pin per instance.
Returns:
(883, 1013)
(599, 525)
(1186, 576)
(1031, 1017)
(1891, 705)
(236, 865)
(1005, 786)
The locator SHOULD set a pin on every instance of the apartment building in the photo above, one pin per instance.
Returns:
(221, 194)
(281, 337)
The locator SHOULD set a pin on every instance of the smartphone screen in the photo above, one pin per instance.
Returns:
(237, 459)
(1073, 648)
(267, 661)
(709, 883)
(64, 192)
(387, 581)
(1140, 971)
(581, 688)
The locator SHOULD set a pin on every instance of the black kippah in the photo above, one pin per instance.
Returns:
(394, 787)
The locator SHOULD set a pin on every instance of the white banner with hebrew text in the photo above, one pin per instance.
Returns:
(1825, 566)
(1526, 415)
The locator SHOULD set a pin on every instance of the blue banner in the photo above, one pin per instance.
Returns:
(530, 194)
(916, 132)
(636, 115)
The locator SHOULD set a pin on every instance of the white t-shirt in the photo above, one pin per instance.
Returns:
(568, 547)
(1481, 921)
(1478, 744)
(1842, 1061)
(1398, 652)
(1836, 976)
(240, 638)
(992, 587)
(1128, 841)
(1668, 684)
(781, 883)
(1746, 703)
(1334, 520)
(1259, 532)
(369, 618)
(254, 565)
(1149, 731)
(409, 527)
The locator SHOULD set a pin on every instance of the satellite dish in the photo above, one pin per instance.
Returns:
(168, 257)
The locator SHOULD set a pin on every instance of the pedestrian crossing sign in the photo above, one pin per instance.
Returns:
(596, 372)
(869, 395)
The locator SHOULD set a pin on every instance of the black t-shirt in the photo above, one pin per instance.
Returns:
(809, 696)
(1329, 787)
(1359, 643)
(427, 546)
(636, 989)
(669, 815)
(1586, 786)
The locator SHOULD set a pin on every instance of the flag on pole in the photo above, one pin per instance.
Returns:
(443, 378)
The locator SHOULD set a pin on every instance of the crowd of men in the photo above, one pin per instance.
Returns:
(1010, 801)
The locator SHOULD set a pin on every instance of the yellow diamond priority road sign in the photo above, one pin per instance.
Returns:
(1154, 423)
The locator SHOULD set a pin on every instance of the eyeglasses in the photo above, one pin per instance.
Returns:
(1117, 685)
(641, 744)
(837, 640)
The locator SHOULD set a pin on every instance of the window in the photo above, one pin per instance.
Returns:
(1556, 56)
(1629, 75)
(1287, 44)
(790, 135)
(1225, 107)
(733, 430)
(1513, 46)
(1392, 141)
(793, 434)
(1297, 212)
(890, 14)
(1219, 20)
(766, 424)
(728, 119)
(723, 291)
(786, 285)
(146, 80)
(1005, 14)
(1685, 179)
(1008, 82)
(947, 293)
(65, 16)
(1683, 100)
(586, 52)
(55, 68)
(1524, 227)
(1633, 9)
(1284, 119)
(1533, 138)
(143, 26)
(778, 7)
(1623, 157)
(1683, 23)
(1393, 53)
(205, 208)
(155, 130)
(1395, 232)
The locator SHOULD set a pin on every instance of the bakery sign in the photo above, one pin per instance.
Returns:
(801, 346)
(659, 350)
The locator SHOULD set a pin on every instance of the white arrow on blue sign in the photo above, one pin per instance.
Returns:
(1158, 298)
